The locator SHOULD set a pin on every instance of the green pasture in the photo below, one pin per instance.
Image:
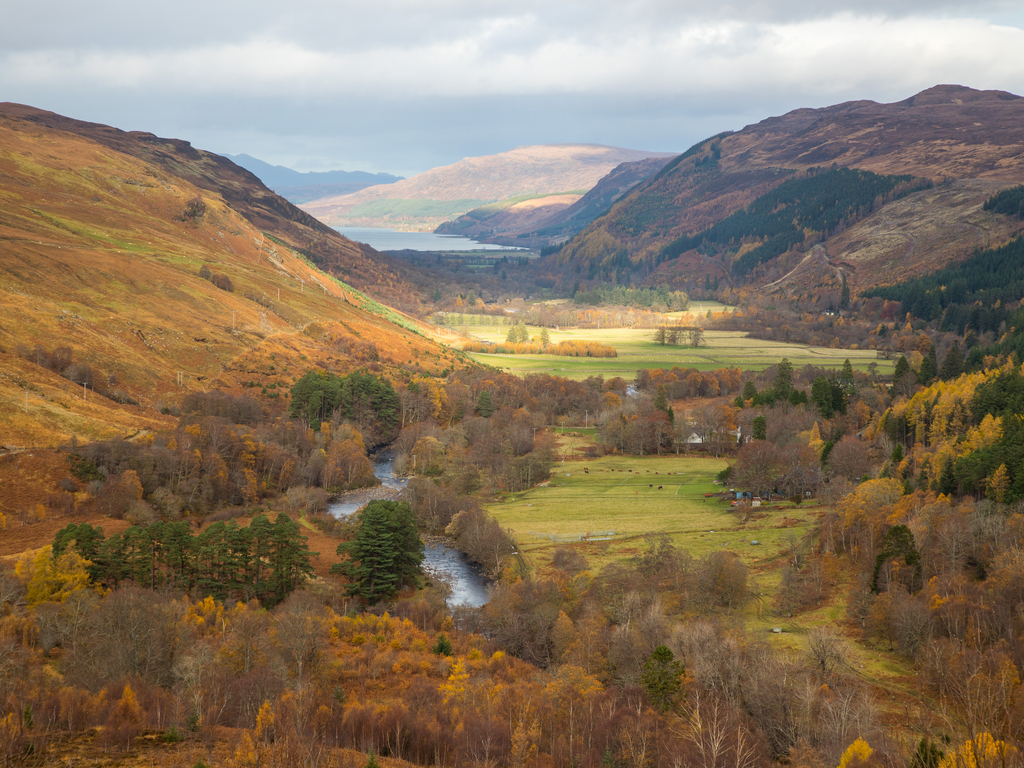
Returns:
(700, 309)
(621, 494)
(637, 349)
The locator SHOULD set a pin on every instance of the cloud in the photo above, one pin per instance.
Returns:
(413, 76)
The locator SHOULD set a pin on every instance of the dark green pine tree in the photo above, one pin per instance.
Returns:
(821, 395)
(902, 369)
(898, 542)
(661, 399)
(371, 566)
(760, 427)
(290, 559)
(485, 404)
(179, 554)
(952, 363)
(113, 555)
(783, 379)
(261, 534)
(844, 296)
(929, 367)
(662, 678)
(846, 377)
(385, 554)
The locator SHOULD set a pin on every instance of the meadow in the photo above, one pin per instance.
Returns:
(637, 349)
(611, 503)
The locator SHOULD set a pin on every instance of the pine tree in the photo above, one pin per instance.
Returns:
(760, 428)
(485, 404)
(661, 399)
(386, 552)
(662, 678)
(952, 363)
(929, 367)
(290, 558)
(783, 379)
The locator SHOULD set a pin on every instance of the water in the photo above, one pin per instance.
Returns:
(393, 240)
(469, 586)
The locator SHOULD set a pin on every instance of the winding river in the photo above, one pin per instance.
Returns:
(469, 586)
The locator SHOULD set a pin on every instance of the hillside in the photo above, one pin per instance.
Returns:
(539, 222)
(355, 263)
(424, 201)
(132, 277)
(967, 143)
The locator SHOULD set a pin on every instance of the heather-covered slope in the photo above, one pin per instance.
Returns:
(967, 142)
(136, 276)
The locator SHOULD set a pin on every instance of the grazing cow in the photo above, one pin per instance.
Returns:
(650, 485)
(659, 487)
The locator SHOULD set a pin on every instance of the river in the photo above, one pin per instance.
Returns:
(469, 586)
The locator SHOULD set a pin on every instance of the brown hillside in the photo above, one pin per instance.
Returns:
(355, 263)
(524, 170)
(96, 256)
(946, 134)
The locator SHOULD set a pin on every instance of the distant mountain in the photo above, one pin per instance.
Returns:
(428, 199)
(537, 222)
(301, 187)
(144, 268)
(279, 176)
(739, 206)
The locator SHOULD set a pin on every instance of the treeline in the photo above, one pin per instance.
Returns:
(222, 453)
(263, 561)
(360, 398)
(970, 295)
(580, 348)
(618, 295)
(1009, 202)
(816, 201)
(964, 436)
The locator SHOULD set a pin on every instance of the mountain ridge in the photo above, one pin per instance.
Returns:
(948, 134)
(473, 181)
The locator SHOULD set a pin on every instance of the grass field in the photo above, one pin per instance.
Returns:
(636, 349)
(622, 494)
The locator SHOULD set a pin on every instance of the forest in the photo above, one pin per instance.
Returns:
(199, 628)
(817, 201)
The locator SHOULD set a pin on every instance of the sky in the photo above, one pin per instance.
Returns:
(400, 87)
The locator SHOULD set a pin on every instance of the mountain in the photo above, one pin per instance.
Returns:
(706, 213)
(136, 269)
(538, 222)
(300, 187)
(426, 200)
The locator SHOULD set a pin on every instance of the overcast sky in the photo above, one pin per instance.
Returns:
(401, 86)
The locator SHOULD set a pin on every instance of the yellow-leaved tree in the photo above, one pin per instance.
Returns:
(49, 579)
(856, 753)
(979, 752)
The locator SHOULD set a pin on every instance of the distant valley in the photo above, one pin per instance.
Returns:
(563, 172)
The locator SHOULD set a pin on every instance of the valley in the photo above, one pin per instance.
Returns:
(764, 508)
